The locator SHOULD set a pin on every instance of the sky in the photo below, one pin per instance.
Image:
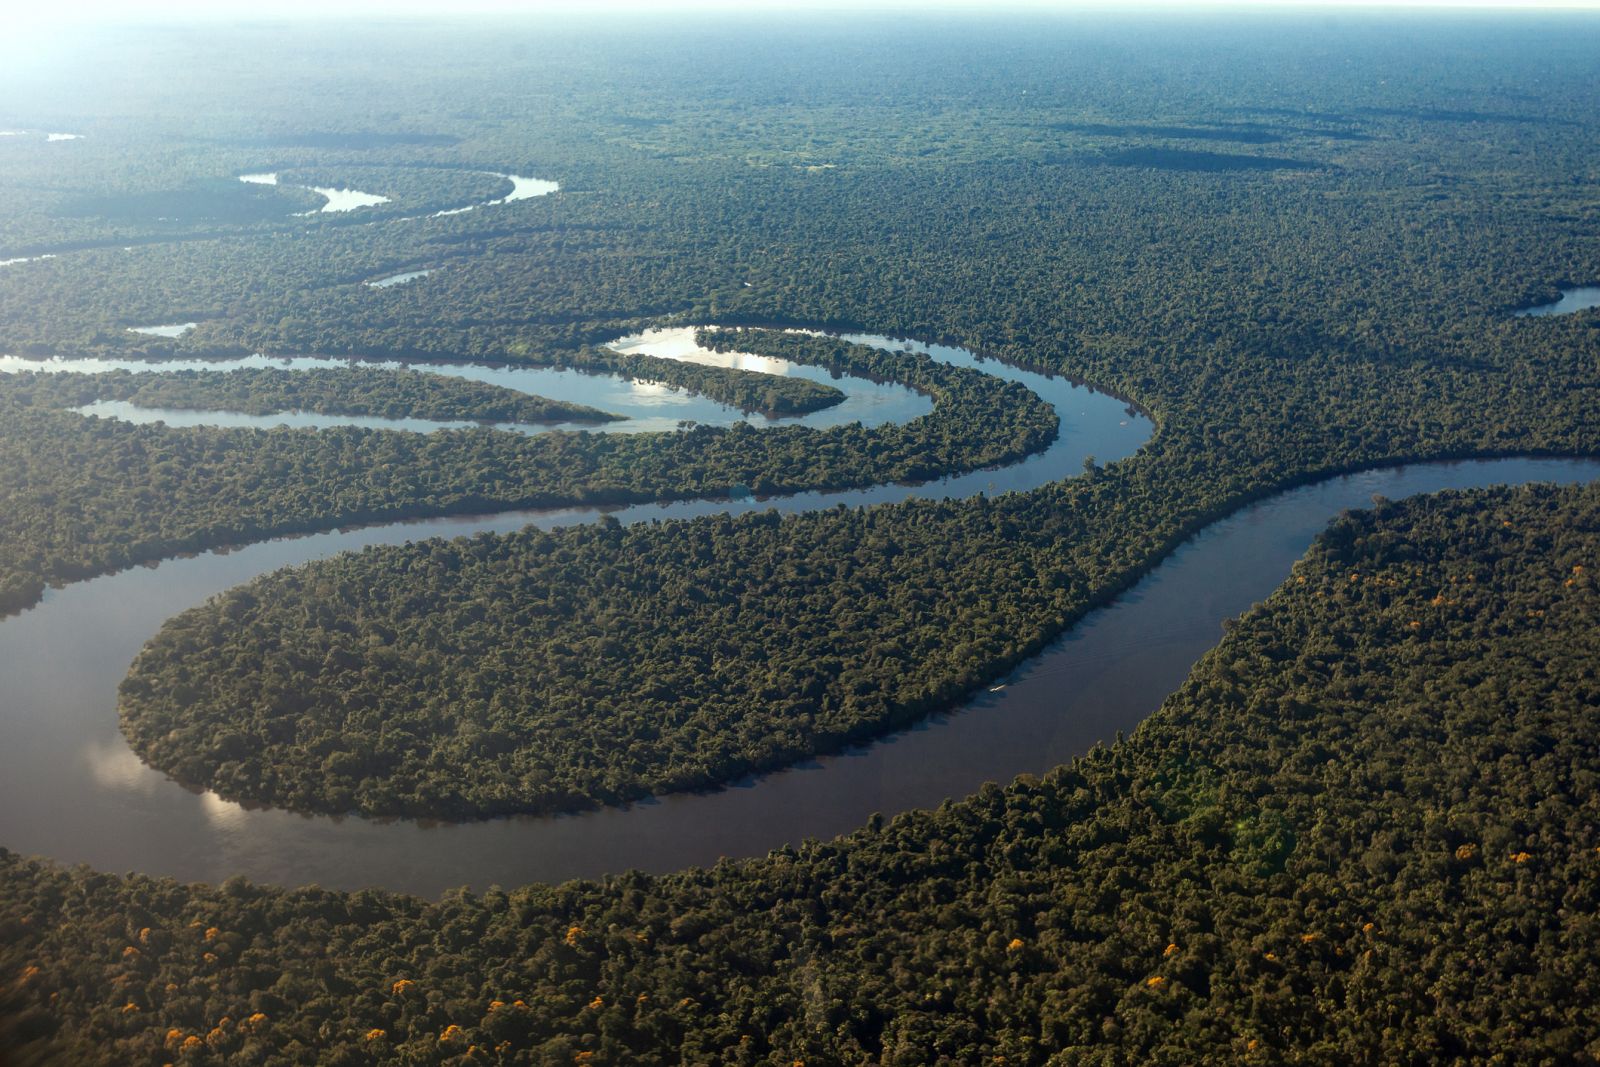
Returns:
(32, 26)
(102, 11)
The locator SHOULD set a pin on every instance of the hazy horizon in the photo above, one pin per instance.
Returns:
(108, 11)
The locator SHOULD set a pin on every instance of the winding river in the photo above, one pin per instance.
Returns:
(336, 201)
(643, 406)
(71, 789)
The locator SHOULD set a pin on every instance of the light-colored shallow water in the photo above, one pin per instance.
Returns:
(398, 279)
(644, 407)
(176, 329)
(1580, 299)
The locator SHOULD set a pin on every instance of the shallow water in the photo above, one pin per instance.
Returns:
(644, 407)
(398, 279)
(177, 329)
(1580, 299)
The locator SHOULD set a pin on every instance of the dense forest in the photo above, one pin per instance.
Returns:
(358, 390)
(352, 390)
(1297, 242)
(1363, 830)
(604, 663)
(88, 495)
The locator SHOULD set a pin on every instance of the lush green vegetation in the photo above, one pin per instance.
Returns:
(350, 390)
(600, 664)
(1229, 303)
(87, 495)
(1363, 830)
(545, 659)
(946, 181)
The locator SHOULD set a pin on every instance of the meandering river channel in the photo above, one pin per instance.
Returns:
(71, 789)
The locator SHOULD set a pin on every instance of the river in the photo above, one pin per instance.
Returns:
(70, 788)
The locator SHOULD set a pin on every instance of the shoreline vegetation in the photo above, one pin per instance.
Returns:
(360, 391)
(1347, 837)
(530, 758)
(221, 485)
(1368, 885)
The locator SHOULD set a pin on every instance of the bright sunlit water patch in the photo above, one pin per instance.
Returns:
(398, 279)
(521, 189)
(114, 765)
(344, 200)
(643, 406)
(177, 329)
(1572, 300)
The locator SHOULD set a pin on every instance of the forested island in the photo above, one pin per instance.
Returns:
(1364, 826)
(1361, 831)
(228, 485)
(354, 390)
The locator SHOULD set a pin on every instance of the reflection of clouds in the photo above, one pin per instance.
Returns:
(643, 406)
(176, 329)
(656, 395)
(221, 813)
(116, 767)
(677, 342)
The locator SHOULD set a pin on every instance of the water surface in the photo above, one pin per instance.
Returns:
(343, 200)
(176, 329)
(398, 279)
(644, 406)
(1580, 299)
(70, 788)
(521, 189)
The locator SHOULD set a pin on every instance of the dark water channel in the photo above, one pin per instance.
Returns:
(71, 789)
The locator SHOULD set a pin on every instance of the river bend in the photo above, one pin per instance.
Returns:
(70, 788)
